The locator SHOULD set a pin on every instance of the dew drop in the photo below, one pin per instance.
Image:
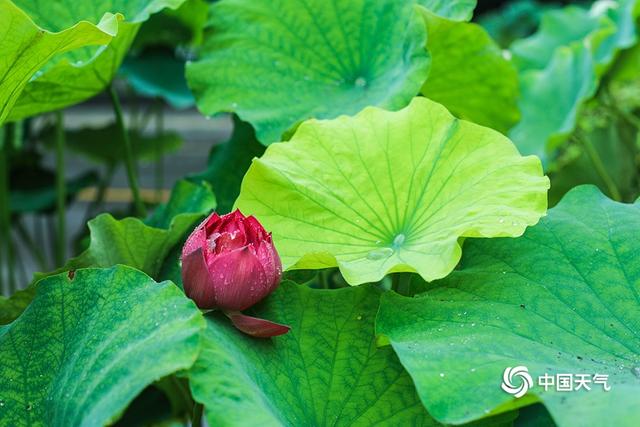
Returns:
(636, 371)
(380, 254)
(1, 403)
(399, 240)
(29, 407)
(441, 374)
(359, 317)
(234, 105)
(360, 82)
(473, 369)
(501, 220)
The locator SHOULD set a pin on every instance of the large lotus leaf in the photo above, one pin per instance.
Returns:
(561, 67)
(457, 10)
(562, 299)
(81, 73)
(86, 346)
(326, 371)
(26, 48)
(320, 59)
(391, 191)
(229, 162)
(469, 74)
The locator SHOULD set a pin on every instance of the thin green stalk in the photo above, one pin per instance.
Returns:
(600, 168)
(129, 160)
(159, 169)
(3, 180)
(101, 192)
(61, 193)
(401, 283)
(5, 209)
(196, 419)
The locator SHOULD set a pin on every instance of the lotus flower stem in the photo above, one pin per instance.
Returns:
(3, 201)
(159, 157)
(401, 283)
(129, 160)
(5, 209)
(600, 168)
(196, 420)
(61, 193)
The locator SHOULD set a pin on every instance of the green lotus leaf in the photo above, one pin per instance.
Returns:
(159, 74)
(26, 48)
(551, 98)
(457, 10)
(229, 162)
(326, 371)
(387, 191)
(81, 73)
(558, 27)
(86, 346)
(562, 299)
(321, 59)
(182, 27)
(469, 74)
(561, 67)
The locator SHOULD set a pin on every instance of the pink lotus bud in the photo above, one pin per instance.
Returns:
(229, 263)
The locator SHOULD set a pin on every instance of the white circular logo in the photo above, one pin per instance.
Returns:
(522, 377)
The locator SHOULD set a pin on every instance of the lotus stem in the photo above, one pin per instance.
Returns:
(401, 283)
(159, 169)
(129, 160)
(61, 193)
(601, 169)
(196, 420)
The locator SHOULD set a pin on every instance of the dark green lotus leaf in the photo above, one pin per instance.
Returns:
(469, 74)
(87, 345)
(564, 298)
(80, 73)
(182, 27)
(159, 74)
(277, 63)
(326, 371)
(514, 21)
(229, 162)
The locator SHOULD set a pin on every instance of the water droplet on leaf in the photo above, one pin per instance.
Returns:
(380, 254)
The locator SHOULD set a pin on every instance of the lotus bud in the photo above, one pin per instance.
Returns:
(229, 263)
